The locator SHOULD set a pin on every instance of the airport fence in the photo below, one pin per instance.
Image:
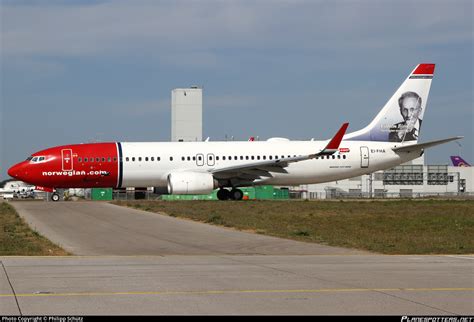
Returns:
(386, 195)
(302, 195)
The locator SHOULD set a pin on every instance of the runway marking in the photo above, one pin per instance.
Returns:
(223, 292)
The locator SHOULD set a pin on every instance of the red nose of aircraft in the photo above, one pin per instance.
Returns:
(16, 171)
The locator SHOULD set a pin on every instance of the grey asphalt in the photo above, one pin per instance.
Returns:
(314, 284)
(100, 228)
(172, 266)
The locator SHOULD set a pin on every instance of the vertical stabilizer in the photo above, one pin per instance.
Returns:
(458, 161)
(401, 117)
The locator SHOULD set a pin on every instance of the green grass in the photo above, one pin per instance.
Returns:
(16, 237)
(389, 227)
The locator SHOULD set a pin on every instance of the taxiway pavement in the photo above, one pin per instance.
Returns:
(136, 262)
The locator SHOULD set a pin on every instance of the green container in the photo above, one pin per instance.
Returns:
(101, 194)
(281, 194)
(250, 193)
(264, 192)
(211, 196)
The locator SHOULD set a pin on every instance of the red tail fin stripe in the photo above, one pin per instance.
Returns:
(425, 69)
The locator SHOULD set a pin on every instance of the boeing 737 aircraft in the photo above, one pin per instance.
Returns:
(199, 167)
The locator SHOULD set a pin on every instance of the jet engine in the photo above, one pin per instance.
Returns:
(189, 183)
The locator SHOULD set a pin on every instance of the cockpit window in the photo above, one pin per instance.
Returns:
(29, 158)
(37, 159)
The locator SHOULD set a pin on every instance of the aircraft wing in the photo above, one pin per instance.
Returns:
(256, 170)
(421, 146)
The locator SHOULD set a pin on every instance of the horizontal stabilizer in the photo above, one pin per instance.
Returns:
(421, 146)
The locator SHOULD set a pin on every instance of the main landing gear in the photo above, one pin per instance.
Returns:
(234, 194)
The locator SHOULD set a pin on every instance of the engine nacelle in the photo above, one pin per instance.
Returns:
(190, 183)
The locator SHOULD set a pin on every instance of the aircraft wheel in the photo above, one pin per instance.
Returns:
(223, 194)
(55, 197)
(236, 194)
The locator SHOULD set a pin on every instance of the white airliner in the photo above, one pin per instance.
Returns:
(16, 188)
(199, 167)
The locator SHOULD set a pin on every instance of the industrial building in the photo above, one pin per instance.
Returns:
(186, 114)
(411, 180)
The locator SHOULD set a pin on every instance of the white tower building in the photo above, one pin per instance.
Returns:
(186, 114)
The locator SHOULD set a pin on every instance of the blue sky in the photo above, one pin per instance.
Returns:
(82, 71)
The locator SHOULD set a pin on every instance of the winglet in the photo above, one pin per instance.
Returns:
(333, 145)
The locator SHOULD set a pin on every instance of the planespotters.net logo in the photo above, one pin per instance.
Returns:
(74, 173)
(437, 319)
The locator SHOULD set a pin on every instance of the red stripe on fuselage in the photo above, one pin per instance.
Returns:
(92, 165)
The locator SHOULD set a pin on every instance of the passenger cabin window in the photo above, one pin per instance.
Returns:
(171, 158)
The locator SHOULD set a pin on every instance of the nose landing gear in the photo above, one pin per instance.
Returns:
(55, 197)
